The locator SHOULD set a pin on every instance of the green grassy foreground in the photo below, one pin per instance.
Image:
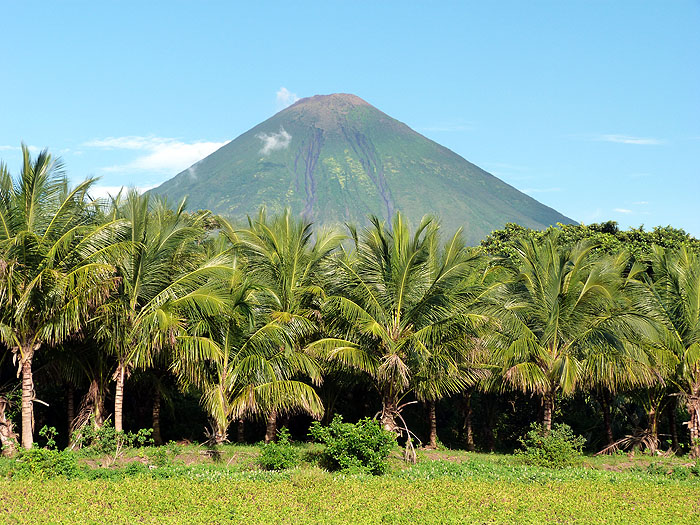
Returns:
(444, 487)
(312, 498)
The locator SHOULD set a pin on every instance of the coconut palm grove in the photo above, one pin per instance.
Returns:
(132, 322)
(274, 321)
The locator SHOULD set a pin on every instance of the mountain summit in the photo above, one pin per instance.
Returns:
(336, 158)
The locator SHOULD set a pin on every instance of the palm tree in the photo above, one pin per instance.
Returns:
(86, 364)
(397, 312)
(55, 263)
(255, 368)
(165, 279)
(562, 309)
(451, 367)
(633, 364)
(254, 372)
(284, 258)
(445, 371)
(676, 286)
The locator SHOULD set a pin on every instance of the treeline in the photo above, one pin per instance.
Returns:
(106, 300)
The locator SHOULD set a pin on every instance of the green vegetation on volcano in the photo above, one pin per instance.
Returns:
(336, 158)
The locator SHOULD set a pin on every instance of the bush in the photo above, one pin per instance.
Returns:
(106, 440)
(159, 457)
(280, 455)
(46, 463)
(135, 468)
(557, 449)
(50, 434)
(657, 469)
(695, 469)
(361, 447)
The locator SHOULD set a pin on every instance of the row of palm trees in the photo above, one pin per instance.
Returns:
(255, 317)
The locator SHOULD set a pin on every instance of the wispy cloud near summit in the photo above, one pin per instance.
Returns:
(285, 98)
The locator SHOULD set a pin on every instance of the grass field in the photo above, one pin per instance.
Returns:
(444, 487)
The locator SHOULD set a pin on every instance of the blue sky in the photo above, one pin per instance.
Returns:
(591, 107)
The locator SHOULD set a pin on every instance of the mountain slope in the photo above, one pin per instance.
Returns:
(336, 158)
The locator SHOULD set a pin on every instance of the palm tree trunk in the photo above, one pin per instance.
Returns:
(693, 405)
(489, 436)
(8, 437)
(672, 423)
(653, 428)
(27, 397)
(119, 397)
(605, 402)
(157, 438)
(548, 402)
(468, 426)
(389, 413)
(98, 409)
(432, 421)
(271, 427)
(240, 431)
(219, 434)
(70, 406)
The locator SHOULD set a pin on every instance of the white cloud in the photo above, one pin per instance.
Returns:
(274, 141)
(161, 154)
(102, 192)
(131, 142)
(622, 210)
(32, 149)
(627, 139)
(641, 203)
(285, 97)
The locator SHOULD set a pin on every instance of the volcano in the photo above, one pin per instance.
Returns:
(337, 159)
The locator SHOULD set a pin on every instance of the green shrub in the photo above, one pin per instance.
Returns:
(173, 448)
(280, 455)
(558, 448)
(695, 469)
(50, 434)
(106, 440)
(361, 447)
(46, 463)
(657, 469)
(164, 456)
(135, 468)
(159, 457)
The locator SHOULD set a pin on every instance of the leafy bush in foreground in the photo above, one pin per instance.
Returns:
(360, 447)
(280, 455)
(45, 463)
(558, 448)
